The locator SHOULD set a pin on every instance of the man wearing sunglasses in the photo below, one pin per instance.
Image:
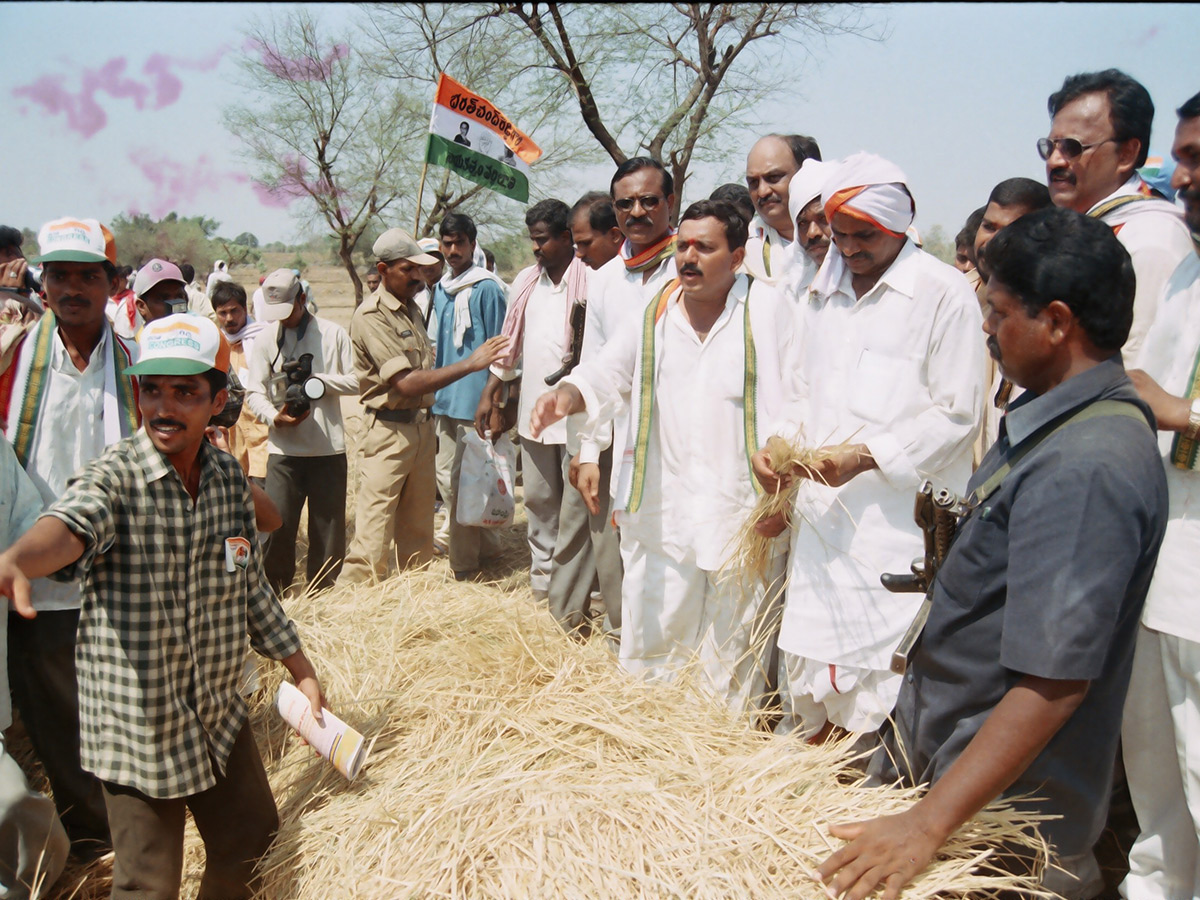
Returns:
(1099, 137)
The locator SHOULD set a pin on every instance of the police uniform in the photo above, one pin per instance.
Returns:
(396, 485)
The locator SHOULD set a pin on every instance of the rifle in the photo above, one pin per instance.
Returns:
(578, 314)
(937, 515)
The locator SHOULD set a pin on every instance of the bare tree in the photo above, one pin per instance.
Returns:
(665, 80)
(319, 126)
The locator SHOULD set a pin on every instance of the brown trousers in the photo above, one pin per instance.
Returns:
(236, 818)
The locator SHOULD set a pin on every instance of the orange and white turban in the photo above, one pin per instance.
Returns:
(869, 188)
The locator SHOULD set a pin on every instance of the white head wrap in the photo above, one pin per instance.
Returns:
(806, 185)
(884, 201)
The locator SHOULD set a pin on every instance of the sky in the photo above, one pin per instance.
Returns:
(116, 107)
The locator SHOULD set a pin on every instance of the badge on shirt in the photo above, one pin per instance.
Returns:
(237, 554)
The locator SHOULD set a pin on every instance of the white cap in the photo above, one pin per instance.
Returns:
(280, 290)
(181, 344)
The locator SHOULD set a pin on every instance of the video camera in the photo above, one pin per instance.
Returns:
(228, 417)
(295, 388)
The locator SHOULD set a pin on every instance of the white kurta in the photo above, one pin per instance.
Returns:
(616, 300)
(1159, 733)
(769, 255)
(900, 370)
(1168, 357)
(698, 487)
(542, 354)
(1157, 240)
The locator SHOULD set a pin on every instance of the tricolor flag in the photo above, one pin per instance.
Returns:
(471, 137)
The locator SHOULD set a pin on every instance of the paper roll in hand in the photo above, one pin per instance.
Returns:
(335, 740)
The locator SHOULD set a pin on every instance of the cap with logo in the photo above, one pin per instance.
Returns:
(73, 240)
(182, 344)
(396, 243)
(152, 273)
(280, 290)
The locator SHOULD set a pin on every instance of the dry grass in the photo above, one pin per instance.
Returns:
(752, 552)
(510, 761)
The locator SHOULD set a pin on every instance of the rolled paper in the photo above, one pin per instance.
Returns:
(335, 740)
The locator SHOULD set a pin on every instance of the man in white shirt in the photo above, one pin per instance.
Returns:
(199, 303)
(587, 551)
(1161, 740)
(1099, 137)
(770, 165)
(306, 445)
(893, 371)
(67, 398)
(812, 234)
(708, 374)
(538, 320)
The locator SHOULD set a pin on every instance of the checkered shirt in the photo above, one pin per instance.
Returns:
(163, 627)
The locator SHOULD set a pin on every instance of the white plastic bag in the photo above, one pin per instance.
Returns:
(485, 482)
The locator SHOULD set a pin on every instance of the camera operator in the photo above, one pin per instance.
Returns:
(20, 283)
(299, 367)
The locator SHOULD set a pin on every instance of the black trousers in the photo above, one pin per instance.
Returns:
(41, 671)
(321, 482)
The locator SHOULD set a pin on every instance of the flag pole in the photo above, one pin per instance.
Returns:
(420, 195)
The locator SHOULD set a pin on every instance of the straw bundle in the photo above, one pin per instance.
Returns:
(510, 761)
(751, 551)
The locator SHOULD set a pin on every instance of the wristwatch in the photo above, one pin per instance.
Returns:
(1193, 425)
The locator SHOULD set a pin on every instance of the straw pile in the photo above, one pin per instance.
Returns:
(510, 761)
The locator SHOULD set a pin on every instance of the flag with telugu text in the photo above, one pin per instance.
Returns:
(470, 137)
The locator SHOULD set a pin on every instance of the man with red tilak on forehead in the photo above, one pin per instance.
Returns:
(892, 367)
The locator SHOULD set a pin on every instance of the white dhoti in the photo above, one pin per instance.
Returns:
(677, 616)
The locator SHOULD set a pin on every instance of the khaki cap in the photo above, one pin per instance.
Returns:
(396, 243)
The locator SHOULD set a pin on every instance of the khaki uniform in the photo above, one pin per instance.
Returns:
(248, 437)
(396, 485)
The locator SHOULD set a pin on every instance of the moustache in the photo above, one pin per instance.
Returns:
(993, 346)
(689, 269)
(159, 423)
(1062, 174)
(639, 220)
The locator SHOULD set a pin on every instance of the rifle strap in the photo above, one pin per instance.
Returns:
(1096, 410)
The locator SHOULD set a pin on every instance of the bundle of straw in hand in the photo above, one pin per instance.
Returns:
(792, 460)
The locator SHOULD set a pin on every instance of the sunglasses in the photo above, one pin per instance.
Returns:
(649, 203)
(1068, 147)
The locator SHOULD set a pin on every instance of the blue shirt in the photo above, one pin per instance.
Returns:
(1046, 578)
(459, 399)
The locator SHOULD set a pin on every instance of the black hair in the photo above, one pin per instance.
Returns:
(458, 223)
(1190, 108)
(226, 292)
(1129, 104)
(802, 146)
(602, 218)
(554, 213)
(966, 237)
(738, 195)
(642, 162)
(1059, 254)
(726, 213)
(489, 256)
(1033, 195)
(10, 237)
(217, 381)
(188, 271)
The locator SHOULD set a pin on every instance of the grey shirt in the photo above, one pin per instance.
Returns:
(1047, 577)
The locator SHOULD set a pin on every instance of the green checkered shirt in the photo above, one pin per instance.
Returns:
(163, 627)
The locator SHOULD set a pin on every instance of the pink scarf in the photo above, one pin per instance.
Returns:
(522, 289)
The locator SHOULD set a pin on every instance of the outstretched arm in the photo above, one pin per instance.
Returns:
(47, 547)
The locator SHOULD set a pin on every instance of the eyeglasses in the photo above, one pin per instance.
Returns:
(648, 202)
(1068, 147)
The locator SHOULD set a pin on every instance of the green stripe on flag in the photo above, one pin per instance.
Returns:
(477, 167)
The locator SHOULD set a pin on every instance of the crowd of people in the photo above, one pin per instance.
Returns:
(164, 440)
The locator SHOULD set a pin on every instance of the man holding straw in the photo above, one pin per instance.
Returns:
(893, 371)
(707, 364)
(159, 529)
